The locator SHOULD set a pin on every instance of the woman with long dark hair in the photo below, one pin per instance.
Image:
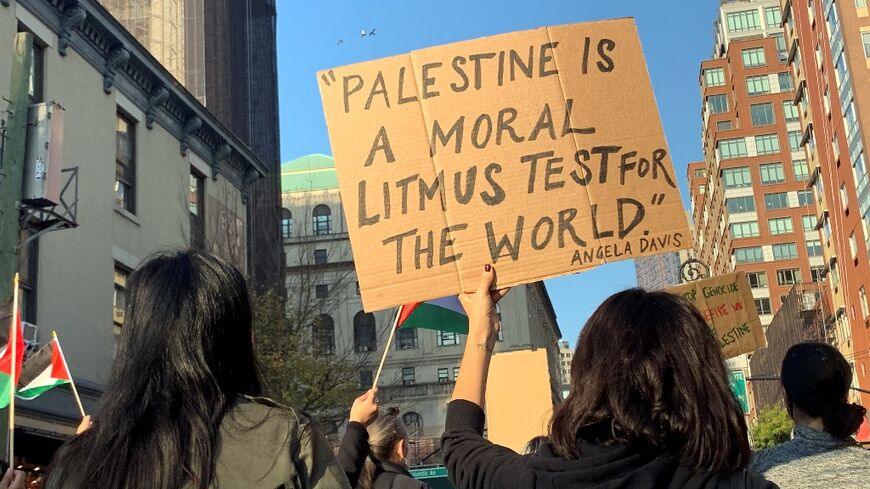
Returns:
(816, 380)
(179, 410)
(650, 405)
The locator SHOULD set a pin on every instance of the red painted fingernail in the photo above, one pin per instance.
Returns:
(487, 268)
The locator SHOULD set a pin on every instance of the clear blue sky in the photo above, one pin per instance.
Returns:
(676, 36)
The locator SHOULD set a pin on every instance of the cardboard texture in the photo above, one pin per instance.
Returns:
(541, 152)
(511, 419)
(726, 302)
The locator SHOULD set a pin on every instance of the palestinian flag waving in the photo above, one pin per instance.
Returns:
(445, 314)
(16, 339)
(44, 370)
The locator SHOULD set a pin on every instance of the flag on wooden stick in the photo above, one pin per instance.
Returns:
(11, 357)
(43, 371)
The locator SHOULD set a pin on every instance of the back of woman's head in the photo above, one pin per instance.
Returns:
(185, 354)
(816, 379)
(384, 432)
(649, 374)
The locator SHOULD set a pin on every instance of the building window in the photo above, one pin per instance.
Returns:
(443, 375)
(321, 291)
(788, 276)
(196, 205)
(805, 198)
(732, 148)
(801, 170)
(757, 280)
(758, 85)
(853, 246)
(366, 379)
(785, 83)
(859, 172)
(744, 230)
(794, 140)
(790, 112)
(844, 196)
(446, 338)
(718, 104)
(781, 49)
(125, 164)
(320, 257)
(772, 173)
(773, 16)
(766, 144)
(745, 20)
(119, 302)
(737, 177)
(865, 38)
(286, 223)
(408, 377)
(753, 57)
(723, 125)
(861, 3)
(782, 225)
(776, 201)
(737, 205)
(835, 271)
(455, 373)
(322, 220)
(814, 248)
(817, 274)
(763, 305)
(785, 251)
(700, 173)
(809, 222)
(862, 297)
(762, 115)
(714, 77)
(413, 422)
(324, 335)
(406, 339)
(365, 336)
(753, 254)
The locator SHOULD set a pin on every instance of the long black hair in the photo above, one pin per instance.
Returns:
(816, 378)
(648, 373)
(185, 355)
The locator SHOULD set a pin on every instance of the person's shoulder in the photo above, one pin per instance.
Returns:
(399, 481)
(260, 415)
(744, 478)
(763, 460)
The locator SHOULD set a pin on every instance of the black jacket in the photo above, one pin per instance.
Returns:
(475, 463)
(352, 455)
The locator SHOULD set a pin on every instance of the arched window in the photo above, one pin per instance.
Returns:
(414, 424)
(324, 335)
(286, 223)
(365, 337)
(322, 219)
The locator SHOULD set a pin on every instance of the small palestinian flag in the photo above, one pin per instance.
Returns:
(445, 314)
(44, 370)
(8, 364)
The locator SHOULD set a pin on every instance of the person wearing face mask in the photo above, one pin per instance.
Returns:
(374, 449)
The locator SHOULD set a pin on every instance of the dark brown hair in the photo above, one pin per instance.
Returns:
(816, 378)
(649, 374)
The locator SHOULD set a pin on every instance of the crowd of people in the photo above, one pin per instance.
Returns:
(649, 406)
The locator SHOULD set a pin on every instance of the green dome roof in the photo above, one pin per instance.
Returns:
(310, 172)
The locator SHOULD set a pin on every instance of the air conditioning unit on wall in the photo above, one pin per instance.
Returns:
(44, 155)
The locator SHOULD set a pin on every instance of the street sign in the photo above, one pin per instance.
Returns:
(429, 473)
(738, 385)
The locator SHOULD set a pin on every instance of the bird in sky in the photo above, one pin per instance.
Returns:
(340, 42)
(362, 33)
(372, 33)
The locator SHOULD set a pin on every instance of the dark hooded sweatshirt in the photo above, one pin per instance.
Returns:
(475, 463)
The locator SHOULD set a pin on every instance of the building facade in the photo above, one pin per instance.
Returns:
(829, 54)
(224, 53)
(751, 207)
(141, 175)
(423, 365)
(658, 272)
(566, 356)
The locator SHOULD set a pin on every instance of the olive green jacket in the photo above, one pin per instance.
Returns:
(267, 446)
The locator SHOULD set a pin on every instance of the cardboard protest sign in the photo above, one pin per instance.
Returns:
(541, 152)
(726, 302)
(519, 400)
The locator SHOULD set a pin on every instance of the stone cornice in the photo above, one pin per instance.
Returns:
(88, 29)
